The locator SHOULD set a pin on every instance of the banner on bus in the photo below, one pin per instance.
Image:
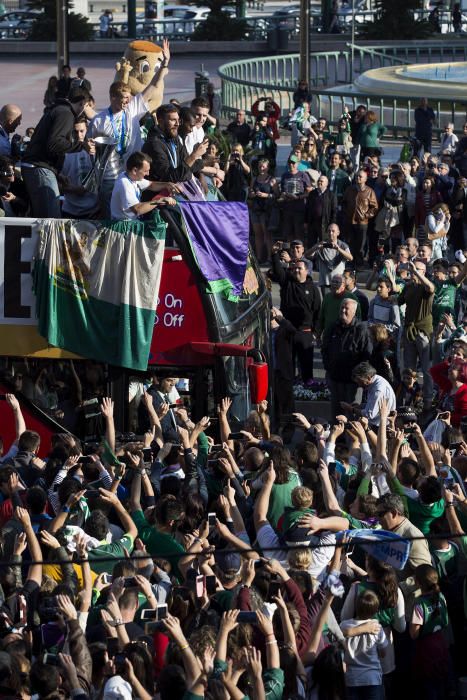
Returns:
(96, 286)
(18, 323)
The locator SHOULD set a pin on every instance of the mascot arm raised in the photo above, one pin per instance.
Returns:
(143, 68)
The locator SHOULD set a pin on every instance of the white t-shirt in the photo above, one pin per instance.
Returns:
(126, 193)
(75, 167)
(361, 655)
(103, 125)
(192, 139)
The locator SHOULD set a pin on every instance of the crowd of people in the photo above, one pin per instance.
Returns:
(200, 563)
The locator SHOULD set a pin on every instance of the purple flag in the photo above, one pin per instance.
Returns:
(219, 233)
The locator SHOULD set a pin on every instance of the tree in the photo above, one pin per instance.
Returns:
(395, 20)
(220, 25)
(45, 27)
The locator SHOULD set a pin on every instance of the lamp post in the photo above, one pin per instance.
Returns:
(305, 41)
(131, 19)
(63, 48)
(352, 40)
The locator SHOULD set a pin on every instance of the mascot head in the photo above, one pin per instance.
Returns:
(139, 65)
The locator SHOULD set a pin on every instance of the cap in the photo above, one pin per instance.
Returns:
(293, 159)
(443, 165)
(297, 241)
(230, 561)
(297, 535)
(117, 688)
(407, 415)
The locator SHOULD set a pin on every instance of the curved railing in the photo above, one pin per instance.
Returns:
(331, 74)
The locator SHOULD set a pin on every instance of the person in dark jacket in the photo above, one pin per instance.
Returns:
(300, 304)
(170, 159)
(43, 160)
(345, 344)
(320, 211)
(282, 338)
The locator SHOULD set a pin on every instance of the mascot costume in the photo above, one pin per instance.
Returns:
(137, 68)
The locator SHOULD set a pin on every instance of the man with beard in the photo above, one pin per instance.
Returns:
(170, 160)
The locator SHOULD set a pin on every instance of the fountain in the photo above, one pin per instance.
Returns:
(433, 80)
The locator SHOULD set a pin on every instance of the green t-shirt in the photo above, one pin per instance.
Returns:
(118, 549)
(446, 561)
(158, 544)
(432, 618)
(345, 478)
(444, 299)
(273, 680)
(281, 497)
(291, 516)
(423, 514)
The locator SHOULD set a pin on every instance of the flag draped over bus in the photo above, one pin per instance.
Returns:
(97, 285)
(218, 233)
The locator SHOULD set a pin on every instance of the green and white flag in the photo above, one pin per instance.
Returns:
(97, 285)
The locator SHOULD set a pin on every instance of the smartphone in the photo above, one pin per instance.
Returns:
(162, 611)
(274, 588)
(443, 416)
(149, 614)
(211, 584)
(51, 659)
(147, 454)
(212, 517)
(199, 586)
(107, 579)
(247, 617)
(119, 661)
(175, 405)
(259, 564)
(448, 483)
(84, 459)
(91, 493)
(331, 468)
(112, 646)
(237, 436)
(130, 582)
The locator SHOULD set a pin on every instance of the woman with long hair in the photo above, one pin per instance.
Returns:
(370, 133)
(51, 93)
(437, 225)
(286, 480)
(382, 580)
(451, 377)
(425, 200)
(430, 664)
(262, 197)
(328, 675)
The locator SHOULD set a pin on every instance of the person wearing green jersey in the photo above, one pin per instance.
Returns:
(445, 289)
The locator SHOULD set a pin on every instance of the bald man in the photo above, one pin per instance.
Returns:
(10, 119)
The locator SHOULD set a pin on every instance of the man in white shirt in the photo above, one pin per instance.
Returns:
(376, 387)
(126, 196)
(121, 121)
(78, 203)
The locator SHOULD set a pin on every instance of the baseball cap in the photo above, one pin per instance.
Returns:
(293, 159)
(297, 535)
(297, 241)
(117, 688)
(230, 561)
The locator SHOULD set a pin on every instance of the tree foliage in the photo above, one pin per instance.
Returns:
(394, 20)
(219, 24)
(45, 27)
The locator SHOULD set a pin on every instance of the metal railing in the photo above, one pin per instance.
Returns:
(243, 82)
(258, 26)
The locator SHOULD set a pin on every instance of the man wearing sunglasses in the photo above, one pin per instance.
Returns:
(13, 199)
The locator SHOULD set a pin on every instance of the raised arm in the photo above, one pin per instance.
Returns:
(426, 456)
(224, 427)
(20, 425)
(107, 410)
(128, 525)
(154, 92)
(35, 570)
